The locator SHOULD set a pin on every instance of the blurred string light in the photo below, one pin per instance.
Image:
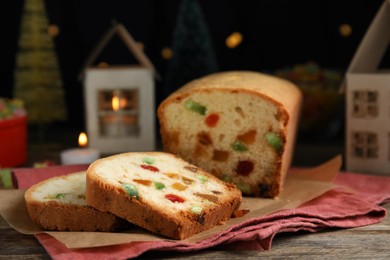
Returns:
(233, 40)
(166, 53)
(345, 30)
(53, 30)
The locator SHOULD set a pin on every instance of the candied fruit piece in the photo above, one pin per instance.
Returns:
(149, 167)
(178, 186)
(60, 195)
(220, 156)
(244, 168)
(196, 209)
(212, 120)
(204, 138)
(195, 107)
(264, 189)
(239, 147)
(159, 185)
(226, 178)
(208, 197)
(173, 175)
(240, 111)
(131, 190)
(202, 178)
(275, 141)
(248, 137)
(174, 198)
(149, 160)
(187, 181)
(244, 188)
(143, 182)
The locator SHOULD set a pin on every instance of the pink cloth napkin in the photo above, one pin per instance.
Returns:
(338, 208)
(26, 177)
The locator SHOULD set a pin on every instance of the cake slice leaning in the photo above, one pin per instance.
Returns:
(58, 203)
(161, 193)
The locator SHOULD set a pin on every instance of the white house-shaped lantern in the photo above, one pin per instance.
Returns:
(367, 101)
(119, 100)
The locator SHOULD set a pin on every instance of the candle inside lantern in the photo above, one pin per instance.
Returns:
(80, 155)
(118, 103)
(120, 122)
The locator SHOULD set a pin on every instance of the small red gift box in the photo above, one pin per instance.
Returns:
(13, 141)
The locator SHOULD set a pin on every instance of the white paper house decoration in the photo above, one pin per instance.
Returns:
(367, 101)
(119, 100)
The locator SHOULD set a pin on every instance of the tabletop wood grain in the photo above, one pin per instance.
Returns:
(368, 242)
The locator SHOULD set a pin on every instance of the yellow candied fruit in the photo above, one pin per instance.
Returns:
(248, 137)
(179, 186)
(174, 176)
(143, 182)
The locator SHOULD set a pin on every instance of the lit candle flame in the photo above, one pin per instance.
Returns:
(115, 103)
(118, 103)
(83, 139)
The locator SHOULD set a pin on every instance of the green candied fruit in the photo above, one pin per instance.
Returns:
(159, 185)
(202, 178)
(244, 188)
(195, 107)
(275, 141)
(196, 209)
(60, 195)
(226, 178)
(131, 190)
(239, 147)
(149, 160)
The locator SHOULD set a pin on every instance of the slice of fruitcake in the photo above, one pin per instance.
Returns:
(58, 203)
(160, 192)
(239, 126)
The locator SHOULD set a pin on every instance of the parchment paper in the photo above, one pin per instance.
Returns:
(301, 185)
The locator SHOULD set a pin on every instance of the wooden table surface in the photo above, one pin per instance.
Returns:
(369, 242)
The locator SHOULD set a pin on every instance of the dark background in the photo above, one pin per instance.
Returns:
(276, 34)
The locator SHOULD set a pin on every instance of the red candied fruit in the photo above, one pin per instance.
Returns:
(212, 120)
(244, 168)
(149, 167)
(174, 198)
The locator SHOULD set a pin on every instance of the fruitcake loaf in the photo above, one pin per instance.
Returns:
(239, 126)
(160, 192)
(58, 203)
